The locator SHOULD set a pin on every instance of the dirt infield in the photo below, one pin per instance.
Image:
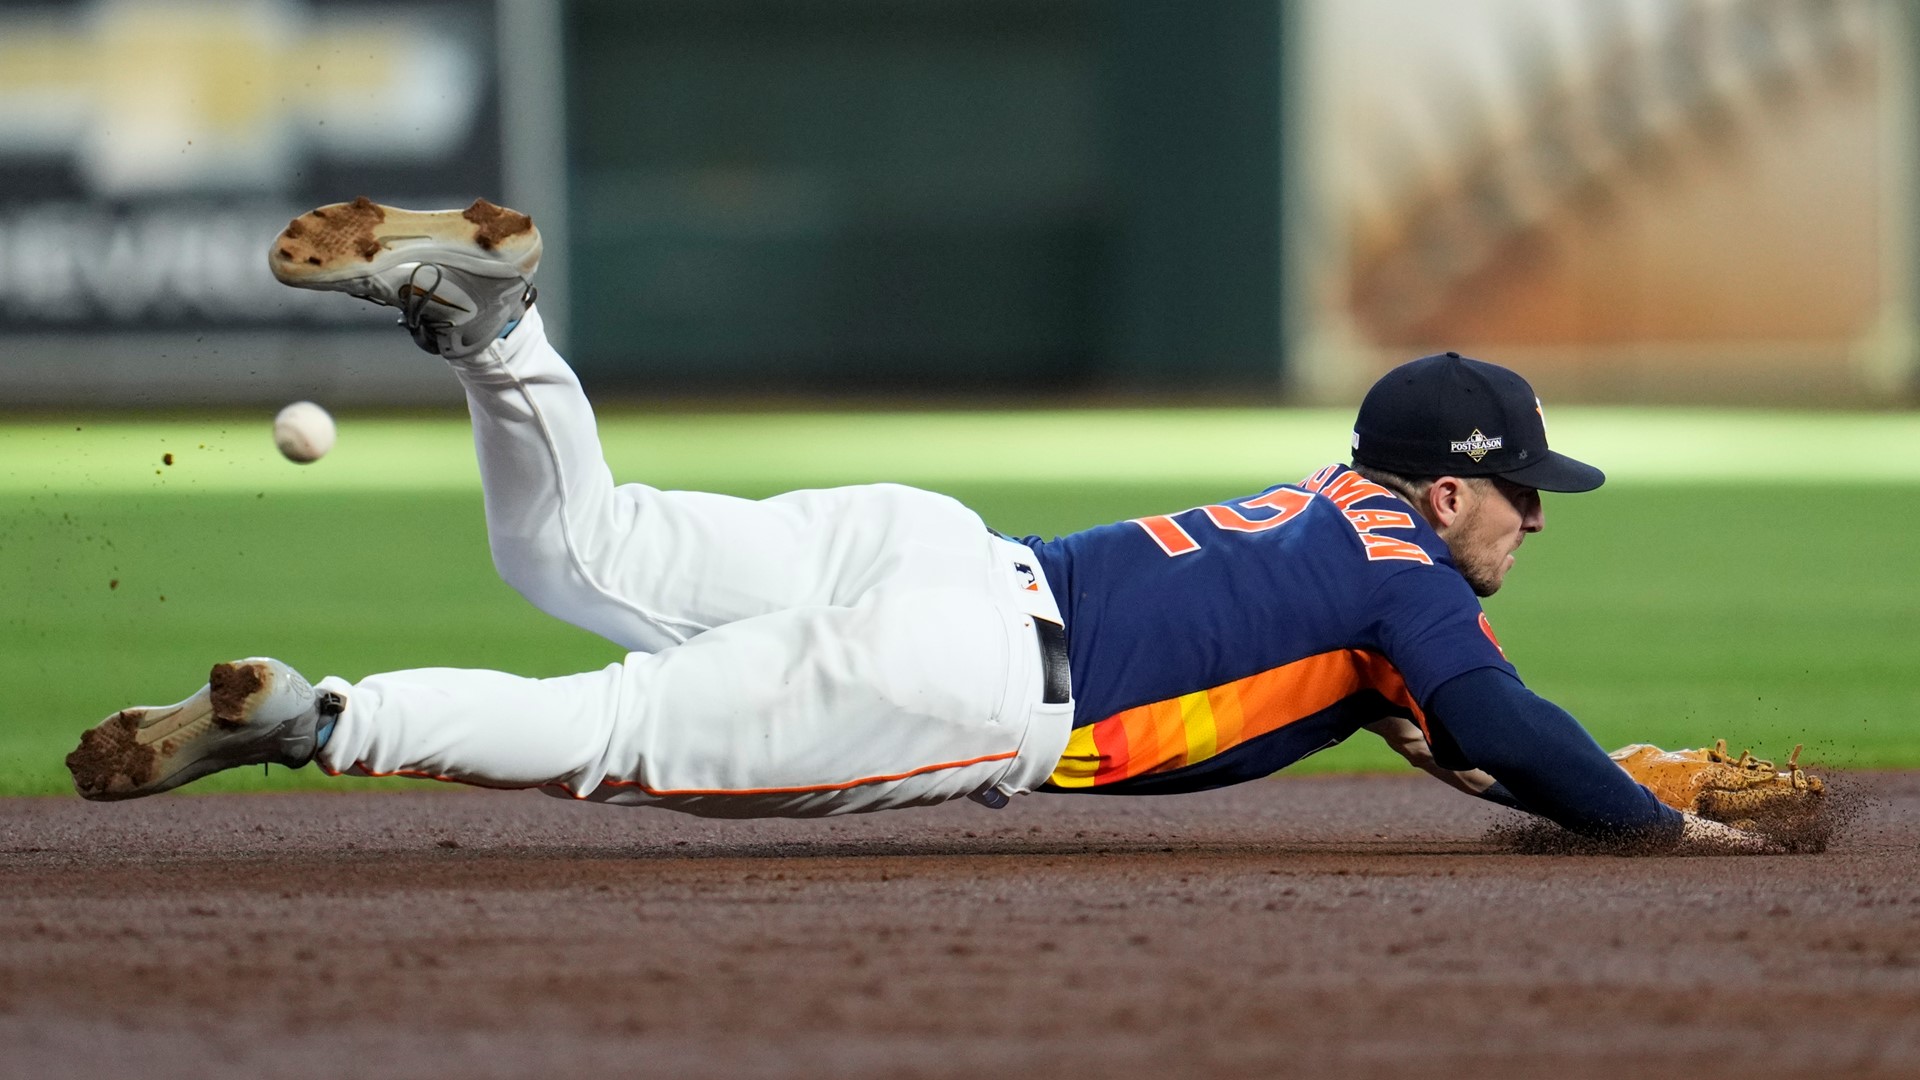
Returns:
(1311, 926)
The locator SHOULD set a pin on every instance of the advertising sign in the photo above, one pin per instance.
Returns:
(151, 149)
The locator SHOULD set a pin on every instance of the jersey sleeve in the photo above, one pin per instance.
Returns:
(1546, 761)
(1428, 623)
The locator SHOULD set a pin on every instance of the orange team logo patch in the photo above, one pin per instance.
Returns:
(1487, 629)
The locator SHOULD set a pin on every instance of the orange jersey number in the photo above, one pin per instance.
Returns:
(1269, 511)
(1281, 505)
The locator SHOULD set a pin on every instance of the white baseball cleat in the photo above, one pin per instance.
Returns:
(251, 712)
(459, 277)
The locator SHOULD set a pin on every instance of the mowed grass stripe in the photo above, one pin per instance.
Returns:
(1765, 613)
(1242, 448)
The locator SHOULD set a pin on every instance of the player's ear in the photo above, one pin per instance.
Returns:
(1445, 502)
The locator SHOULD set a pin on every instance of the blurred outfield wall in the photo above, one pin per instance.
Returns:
(1237, 199)
(1702, 200)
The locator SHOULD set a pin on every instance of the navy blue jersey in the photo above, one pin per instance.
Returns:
(1225, 642)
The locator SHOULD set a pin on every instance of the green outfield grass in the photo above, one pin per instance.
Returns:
(1746, 575)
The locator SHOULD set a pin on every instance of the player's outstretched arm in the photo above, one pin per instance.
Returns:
(1545, 759)
(1696, 834)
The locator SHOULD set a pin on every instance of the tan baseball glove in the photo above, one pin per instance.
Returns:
(1785, 805)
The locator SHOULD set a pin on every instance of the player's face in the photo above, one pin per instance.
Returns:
(1494, 519)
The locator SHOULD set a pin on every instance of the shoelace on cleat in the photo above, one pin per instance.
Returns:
(413, 304)
(413, 298)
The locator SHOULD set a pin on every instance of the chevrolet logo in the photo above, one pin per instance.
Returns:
(148, 96)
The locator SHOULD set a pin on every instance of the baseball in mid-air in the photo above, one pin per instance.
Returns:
(303, 431)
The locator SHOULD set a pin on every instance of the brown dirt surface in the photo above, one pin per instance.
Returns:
(1349, 927)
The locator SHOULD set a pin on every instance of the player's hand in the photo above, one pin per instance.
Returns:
(1408, 741)
(1703, 836)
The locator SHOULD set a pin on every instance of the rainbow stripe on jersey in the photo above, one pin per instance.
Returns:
(1225, 642)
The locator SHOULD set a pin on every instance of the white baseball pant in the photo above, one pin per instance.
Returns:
(819, 652)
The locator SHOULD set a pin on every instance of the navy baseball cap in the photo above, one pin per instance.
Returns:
(1450, 415)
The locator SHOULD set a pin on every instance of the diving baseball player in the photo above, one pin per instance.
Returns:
(863, 648)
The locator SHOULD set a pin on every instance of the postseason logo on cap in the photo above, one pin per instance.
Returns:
(1476, 445)
(1420, 418)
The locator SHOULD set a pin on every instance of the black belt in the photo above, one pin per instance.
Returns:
(1057, 681)
(1056, 688)
(1057, 678)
